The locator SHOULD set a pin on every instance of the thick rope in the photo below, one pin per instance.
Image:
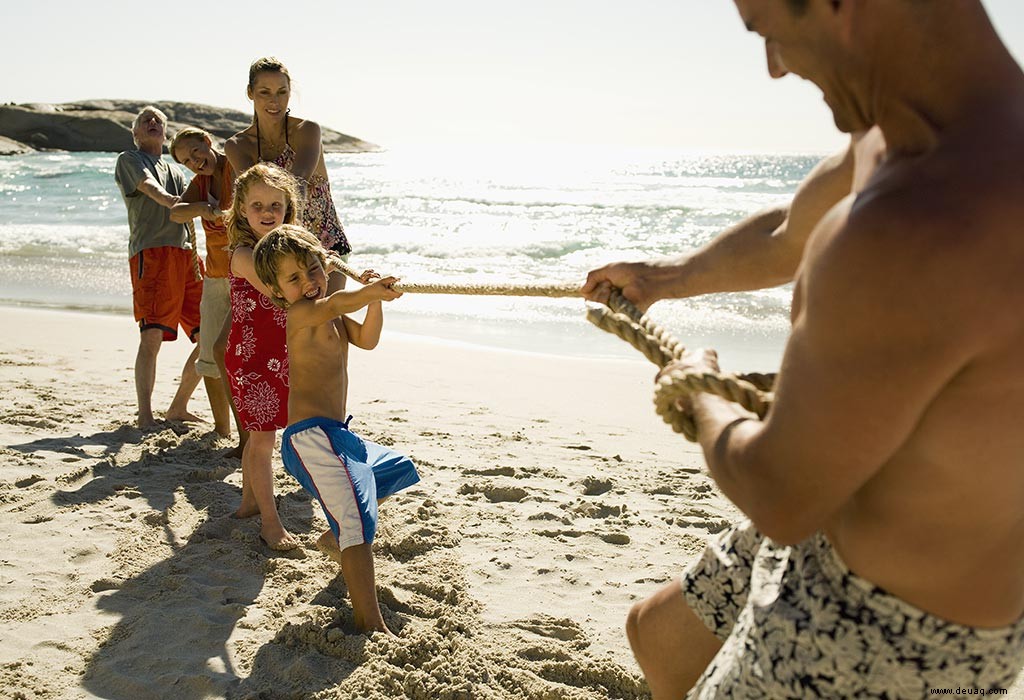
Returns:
(508, 290)
(196, 270)
(622, 305)
(677, 384)
(623, 319)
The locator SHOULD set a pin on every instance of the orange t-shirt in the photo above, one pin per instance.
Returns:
(217, 262)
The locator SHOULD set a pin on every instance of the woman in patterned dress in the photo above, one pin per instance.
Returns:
(256, 356)
(294, 144)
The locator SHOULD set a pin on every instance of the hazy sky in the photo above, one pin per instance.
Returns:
(677, 73)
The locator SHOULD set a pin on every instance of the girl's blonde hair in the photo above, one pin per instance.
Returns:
(240, 233)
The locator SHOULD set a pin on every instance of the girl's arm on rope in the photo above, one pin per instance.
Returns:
(192, 205)
(242, 266)
(188, 209)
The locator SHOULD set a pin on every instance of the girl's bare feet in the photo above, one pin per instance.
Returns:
(183, 417)
(277, 538)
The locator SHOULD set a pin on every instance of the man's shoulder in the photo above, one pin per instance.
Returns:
(131, 156)
(944, 224)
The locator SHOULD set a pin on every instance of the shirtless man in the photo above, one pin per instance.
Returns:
(898, 400)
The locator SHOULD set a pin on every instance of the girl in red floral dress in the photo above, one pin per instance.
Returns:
(256, 357)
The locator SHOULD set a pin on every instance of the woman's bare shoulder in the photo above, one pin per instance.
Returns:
(306, 128)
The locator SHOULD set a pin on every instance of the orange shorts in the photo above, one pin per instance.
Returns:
(165, 292)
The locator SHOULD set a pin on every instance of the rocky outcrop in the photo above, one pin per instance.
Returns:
(9, 147)
(105, 125)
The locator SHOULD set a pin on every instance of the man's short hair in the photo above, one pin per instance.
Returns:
(148, 108)
(285, 241)
(138, 119)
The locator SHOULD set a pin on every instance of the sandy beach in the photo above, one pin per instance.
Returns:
(552, 498)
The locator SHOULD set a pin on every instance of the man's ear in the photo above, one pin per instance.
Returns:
(248, 91)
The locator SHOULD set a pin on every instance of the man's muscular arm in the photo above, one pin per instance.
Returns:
(763, 250)
(838, 415)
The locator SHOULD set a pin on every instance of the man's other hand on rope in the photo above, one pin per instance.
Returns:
(696, 361)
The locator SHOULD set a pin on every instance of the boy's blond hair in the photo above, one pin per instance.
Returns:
(285, 241)
(240, 233)
(188, 132)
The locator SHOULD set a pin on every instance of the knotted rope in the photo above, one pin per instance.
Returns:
(752, 391)
(623, 319)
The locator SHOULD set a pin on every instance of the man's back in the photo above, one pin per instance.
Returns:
(932, 251)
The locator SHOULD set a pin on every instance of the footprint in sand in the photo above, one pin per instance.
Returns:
(545, 515)
(592, 486)
(214, 474)
(74, 475)
(28, 420)
(105, 584)
(598, 510)
(700, 518)
(547, 626)
(560, 533)
(496, 471)
(496, 494)
(416, 543)
(28, 481)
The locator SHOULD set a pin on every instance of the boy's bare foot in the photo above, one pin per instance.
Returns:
(278, 539)
(183, 417)
(248, 507)
(146, 424)
(381, 627)
(246, 510)
(328, 545)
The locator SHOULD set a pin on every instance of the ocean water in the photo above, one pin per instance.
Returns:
(450, 215)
